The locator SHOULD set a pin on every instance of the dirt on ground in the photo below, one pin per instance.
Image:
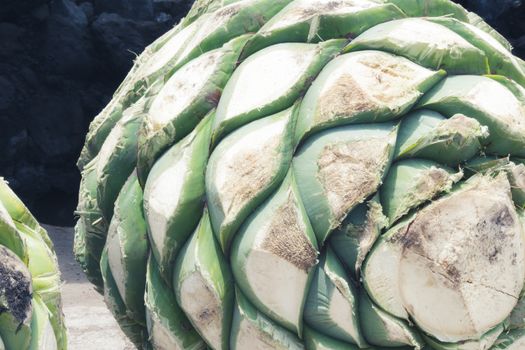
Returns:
(90, 324)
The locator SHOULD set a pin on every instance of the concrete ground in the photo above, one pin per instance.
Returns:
(90, 325)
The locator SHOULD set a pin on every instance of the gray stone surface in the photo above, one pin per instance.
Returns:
(90, 325)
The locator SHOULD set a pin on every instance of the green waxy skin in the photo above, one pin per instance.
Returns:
(127, 246)
(355, 237)
(420, 8)
(465, 94)
(500, 60)
(316, 174)
(382, 329)
(252, 329)
(318, 341)
(167, 54)
(11, 238)
(413, 182)
(331, 303)
(166, 322)
(117, 158)
(212, 30)
(487, 341)
(478, 22)
(135, 331)
(91, 227)
(42, 336)
(510, 340)
(31, 309)
(99, 130)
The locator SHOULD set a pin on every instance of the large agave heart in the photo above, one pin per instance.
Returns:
(323, 174)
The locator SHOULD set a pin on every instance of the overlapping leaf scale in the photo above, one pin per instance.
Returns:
(277, 237)
(168, 326)
(339, 168)
(245, 168)
(123, 263)
(117, 158)
(136, 332)
(171, 51)
(186, 97)
(204, 286)
(270, 81)
(91, 227)
(174, 196)
(127, 248)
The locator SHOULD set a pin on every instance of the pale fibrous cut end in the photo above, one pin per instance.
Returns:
(319, 174)
(15, 286)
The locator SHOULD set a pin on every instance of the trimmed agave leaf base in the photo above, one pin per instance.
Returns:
(30, 304)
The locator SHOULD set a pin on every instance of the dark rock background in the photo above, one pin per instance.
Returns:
(507, 16)
(61, 60)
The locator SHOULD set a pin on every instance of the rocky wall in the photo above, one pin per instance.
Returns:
(60, 62)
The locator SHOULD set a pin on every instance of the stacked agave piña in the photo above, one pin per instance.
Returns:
(342, 174)
(30, 306)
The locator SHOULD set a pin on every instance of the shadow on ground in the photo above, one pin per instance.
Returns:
(90, 325)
